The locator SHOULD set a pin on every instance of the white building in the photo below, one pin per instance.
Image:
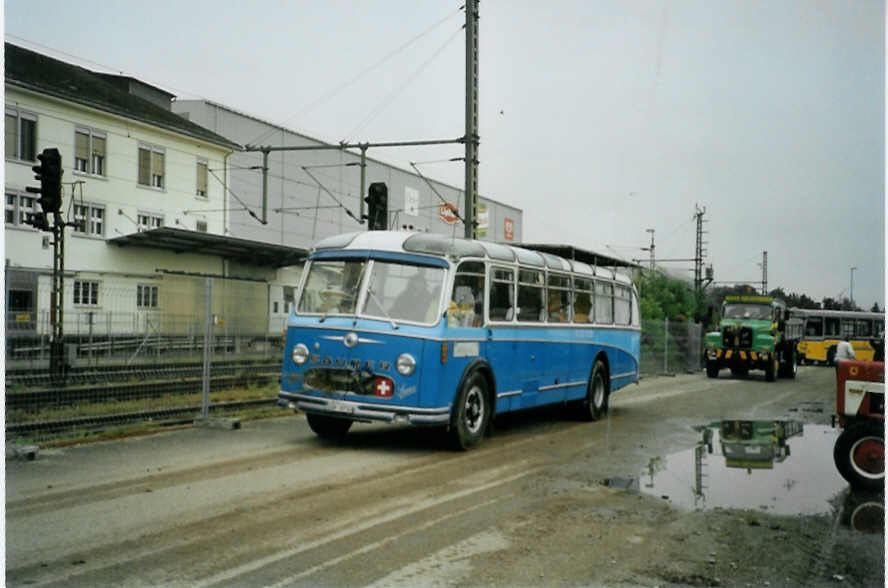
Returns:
(310, 191)
(137, 180)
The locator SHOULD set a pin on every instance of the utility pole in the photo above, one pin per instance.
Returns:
(852, 287)
(651, 248)
(698, 262)
(471, 137)
(764, 273)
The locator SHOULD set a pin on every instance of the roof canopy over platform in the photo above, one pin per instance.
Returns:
(241, 250)
(593, 258)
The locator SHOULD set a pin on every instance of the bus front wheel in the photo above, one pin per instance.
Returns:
(471, 412)
(597, 392)
(330, 428)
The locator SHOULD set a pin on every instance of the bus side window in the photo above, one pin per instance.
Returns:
(558, 305)
(832, 326)
(583, 296)
(530, 296)
(604, 298)
(814, 327)
(502, 294)
(466, 307)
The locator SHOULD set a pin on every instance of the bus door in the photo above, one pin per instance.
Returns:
(531, 350)
(502, 334)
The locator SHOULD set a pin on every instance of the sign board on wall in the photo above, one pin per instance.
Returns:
(448, 212)
(411, 201)
(483, 220)
(509, 229)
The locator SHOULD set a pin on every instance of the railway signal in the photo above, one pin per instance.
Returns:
(49, 174)
(377, 206)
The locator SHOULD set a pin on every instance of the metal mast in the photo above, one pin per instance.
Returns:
(764, 273)
(471, 137)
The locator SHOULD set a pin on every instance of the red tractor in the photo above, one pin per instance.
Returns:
(859, 452)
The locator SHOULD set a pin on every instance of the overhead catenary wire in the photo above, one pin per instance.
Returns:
(336, 90)
(388, 99)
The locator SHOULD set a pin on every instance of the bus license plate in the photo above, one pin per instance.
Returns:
(340, 406)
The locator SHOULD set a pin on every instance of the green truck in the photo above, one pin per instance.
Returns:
(755, 333)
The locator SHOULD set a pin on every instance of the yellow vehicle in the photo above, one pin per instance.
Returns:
(823, 329)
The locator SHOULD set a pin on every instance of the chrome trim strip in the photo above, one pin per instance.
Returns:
(564, 385)
(366, 411)
(342, 339)
(510, 393)
(626, 375)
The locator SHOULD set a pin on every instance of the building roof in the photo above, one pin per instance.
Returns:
(240, 250)
(40, 73)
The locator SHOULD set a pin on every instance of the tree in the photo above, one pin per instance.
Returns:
(663, 297)
(876, 308)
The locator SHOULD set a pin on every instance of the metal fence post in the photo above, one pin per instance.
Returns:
(208, 334)
(666, 345)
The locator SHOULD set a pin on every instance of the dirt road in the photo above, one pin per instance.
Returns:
(637, 499)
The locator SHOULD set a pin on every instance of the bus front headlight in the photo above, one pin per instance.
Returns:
(406, 364)
(300, 354)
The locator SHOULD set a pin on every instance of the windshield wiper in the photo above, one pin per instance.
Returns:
(379, 304)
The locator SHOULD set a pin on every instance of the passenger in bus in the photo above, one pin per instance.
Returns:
(555, 311)
(581, 307)
(415, 302)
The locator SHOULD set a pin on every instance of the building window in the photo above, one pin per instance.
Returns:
(19, 209)
(148, 221)
(146, 296)
(202, 171)
(151, 166)
(89, 151)
(21, 135)
(201, 226)
(89, 219)
(86, 293)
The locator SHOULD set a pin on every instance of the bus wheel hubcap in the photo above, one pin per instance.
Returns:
(474, 410)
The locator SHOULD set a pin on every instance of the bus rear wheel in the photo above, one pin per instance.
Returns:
(471, 412)
(326, 427)
(597, 392)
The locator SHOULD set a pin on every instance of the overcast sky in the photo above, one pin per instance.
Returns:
(600, 119)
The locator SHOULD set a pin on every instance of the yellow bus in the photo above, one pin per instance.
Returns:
(823, 329)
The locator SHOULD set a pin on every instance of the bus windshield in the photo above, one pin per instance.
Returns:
(332, 287)
(747, 311)
(397, 291)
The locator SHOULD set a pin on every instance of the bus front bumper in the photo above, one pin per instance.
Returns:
(364, 411)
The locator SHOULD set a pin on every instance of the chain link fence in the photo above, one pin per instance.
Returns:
(181, 348)
(670, 347)
(164, 352)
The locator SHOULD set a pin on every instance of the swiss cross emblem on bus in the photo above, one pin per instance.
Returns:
(383, 387)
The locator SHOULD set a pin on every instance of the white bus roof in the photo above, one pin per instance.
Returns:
(456, 248)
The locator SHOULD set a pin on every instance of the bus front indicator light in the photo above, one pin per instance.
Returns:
(300, 354)
(406, 364)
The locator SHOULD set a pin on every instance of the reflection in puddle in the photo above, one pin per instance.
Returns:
(747, 464)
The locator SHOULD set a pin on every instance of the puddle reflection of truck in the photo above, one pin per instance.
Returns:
(755, 333)
(756, 444)
(859, 451)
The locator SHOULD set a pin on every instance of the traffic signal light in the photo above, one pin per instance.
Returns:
(38, 220)
(377, 206)
(49, 173)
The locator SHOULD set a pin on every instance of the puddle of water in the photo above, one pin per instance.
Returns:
(782, 467)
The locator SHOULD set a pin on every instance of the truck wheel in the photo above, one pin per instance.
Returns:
(787, 364)
(597, 392)
(471, 412)
(712, 369)
(859, 454)
(771, 369)
(326, 427)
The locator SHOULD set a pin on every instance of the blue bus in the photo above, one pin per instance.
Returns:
(430, 330)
